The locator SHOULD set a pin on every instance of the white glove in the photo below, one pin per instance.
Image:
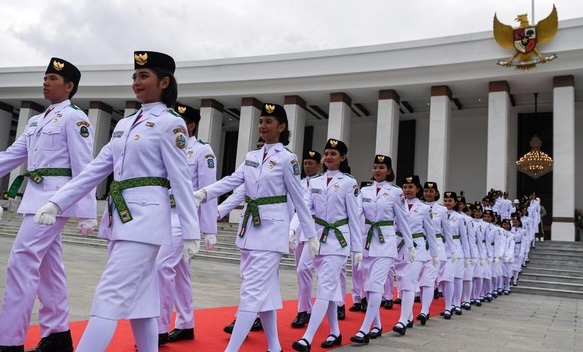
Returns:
(293, 243)
(467, 263)
(47, 214)
(473, 262)
(210, 240)
(520, 255)
(453, 257)
(412, 253)
(497, 260)
(482, 262)
(191, 247)
(357, 258)
(435, 261)
(489, 260)
(314, 245)
(199, 197)
(86, 226)
(507, 259)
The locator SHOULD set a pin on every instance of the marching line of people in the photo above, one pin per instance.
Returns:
(162, 202)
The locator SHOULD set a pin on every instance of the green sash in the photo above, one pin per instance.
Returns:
(376, 225)
(117, 186)
(252, 210)
(332, 226)
(36, 176)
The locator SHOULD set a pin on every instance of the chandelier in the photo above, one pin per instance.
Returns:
(535, 163)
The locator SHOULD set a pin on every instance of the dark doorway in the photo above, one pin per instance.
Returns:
(406, 150)
(540, 124)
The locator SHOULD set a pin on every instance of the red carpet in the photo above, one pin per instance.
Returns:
(209, 335)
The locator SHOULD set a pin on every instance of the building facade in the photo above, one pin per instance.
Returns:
(441, 108)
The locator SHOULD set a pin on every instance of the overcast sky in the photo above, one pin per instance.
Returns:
(108, 31)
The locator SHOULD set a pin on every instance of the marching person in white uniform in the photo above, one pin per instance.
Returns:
(57, 144)
(333, 200)
(173, 270)
(147, 153)
(481, 267)
(271, 179)
(382, 204)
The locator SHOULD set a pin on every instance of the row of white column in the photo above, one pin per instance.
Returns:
(210, 130)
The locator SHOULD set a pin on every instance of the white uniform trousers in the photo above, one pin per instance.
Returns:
(305, 269)
(174, 286)
(375, 271)
(260, 281)
(328, 268)
(128, 288)
(35, 267)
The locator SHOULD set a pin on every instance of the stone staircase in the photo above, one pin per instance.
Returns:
(224, 251)
(555, 269)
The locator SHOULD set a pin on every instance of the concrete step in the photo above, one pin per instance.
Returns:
(551, 285)
(566, 256)
(532, 290)
(534, 276)
(547, 271)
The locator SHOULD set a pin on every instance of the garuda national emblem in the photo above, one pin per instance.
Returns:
(525, 38)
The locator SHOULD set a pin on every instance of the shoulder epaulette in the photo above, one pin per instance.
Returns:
(288, 150)
(75, 106)
(319, 175)
(201, 141)
(173, 112)
(132, 114)
(349, 175)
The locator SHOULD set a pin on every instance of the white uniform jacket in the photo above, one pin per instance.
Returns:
(520, 241)
(459, 232)
(153, 147)
(232, 201)
(480, 229)
(386, 204)
(420, 221)
(444, 229)
(332, 202)
(62, 139)
(202, 166)
(275, 175)
(470, 230)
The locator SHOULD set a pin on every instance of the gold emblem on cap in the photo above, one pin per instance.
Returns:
(181, 109)
(409, 179)
(269, 108)
(141, 59)
(430, 185)
(58, 65)
(333, 143)
(448, 194)
(381, 158)
(312, 153)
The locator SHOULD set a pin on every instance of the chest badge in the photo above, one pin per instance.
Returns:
(136, 137)
(271, 164)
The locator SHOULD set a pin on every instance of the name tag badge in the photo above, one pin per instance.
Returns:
(366, 200)
(117, 134)
(316, 190)
(251, 163)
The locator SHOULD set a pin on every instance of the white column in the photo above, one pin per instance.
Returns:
(211, 123)
(387, 137)
(439, 119)
(340, 117)
(563, 226)
(295, 107)
(248, 133)
(6, 112)
(100, 118)
(27, 110)
(498, 114)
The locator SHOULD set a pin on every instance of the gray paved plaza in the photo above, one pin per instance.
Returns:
(518, 322)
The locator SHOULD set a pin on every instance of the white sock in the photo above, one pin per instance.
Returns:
(242, 327)
(269, 321)
(374, 304)
(97, 335)
(318, 311)
(146, 334)
(407, 300)
(426, 299)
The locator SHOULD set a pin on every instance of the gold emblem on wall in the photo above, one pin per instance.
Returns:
(524, 40)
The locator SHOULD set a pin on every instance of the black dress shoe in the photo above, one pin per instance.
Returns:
(297, 346)
(162, 339)
(478, 303)
(301, 320)
(341, 311)
(447, 314)
(337, 341)
(363, 305)
(257, 326)
(365, 338)
(422, 317)
(400, 328)
(417, 299)
(180, 335)
(55, 342)
(229, 328)
(409, 324)
(388, 304)
(11, 348)
(356, 307)
(398, 301)
(458, 310)
(436, 294)
(375, 332)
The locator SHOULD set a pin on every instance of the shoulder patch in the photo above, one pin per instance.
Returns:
(179, 130)
(83, 123)
(173, 112)
(84, 131)
(210, 161)
(356, 190)
(296, 167)
(180, 141)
